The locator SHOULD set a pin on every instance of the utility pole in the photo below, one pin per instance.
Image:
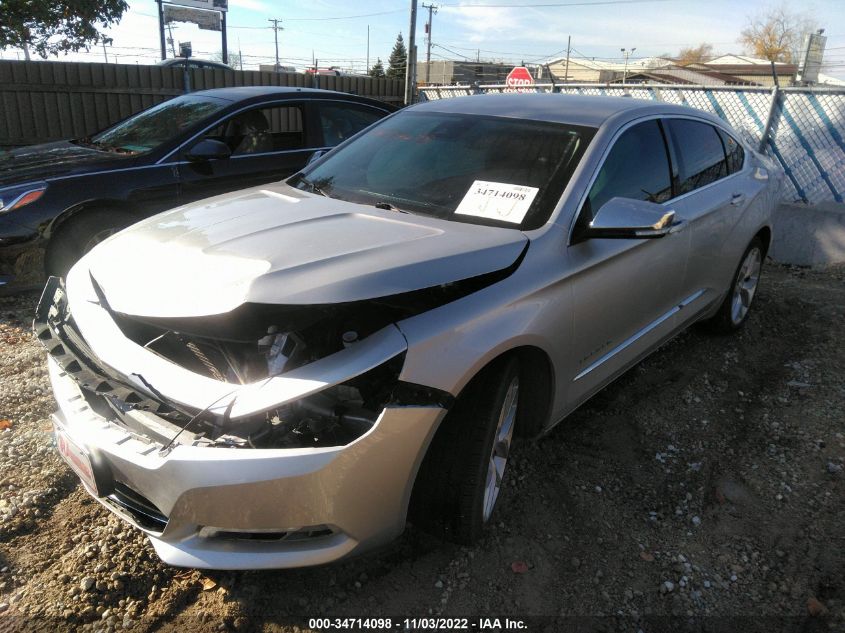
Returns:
(410, 62)
(104, 52)
(224, 40)
(568, 48)
(368, 49)
(627, 53)
(170, 39)
(276, 29)
(240, 55)
(160, 29)
(432, 9)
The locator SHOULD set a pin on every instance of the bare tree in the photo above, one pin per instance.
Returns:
(695, 54)
(777, 34)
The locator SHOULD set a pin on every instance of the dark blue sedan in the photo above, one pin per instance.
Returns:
(58, 200)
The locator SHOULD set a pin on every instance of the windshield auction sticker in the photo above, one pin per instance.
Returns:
(497, 201)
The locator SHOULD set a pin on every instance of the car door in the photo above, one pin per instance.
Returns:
(268, 142)
(625, 292)
(712, 196)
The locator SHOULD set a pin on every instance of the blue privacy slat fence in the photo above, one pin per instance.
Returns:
(804, 127)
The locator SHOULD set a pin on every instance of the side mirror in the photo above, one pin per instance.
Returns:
(208, 149)
(626, 218)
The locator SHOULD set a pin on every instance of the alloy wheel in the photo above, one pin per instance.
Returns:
(501, 448)
(746, 285)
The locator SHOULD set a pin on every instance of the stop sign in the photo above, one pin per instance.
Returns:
(520, 80)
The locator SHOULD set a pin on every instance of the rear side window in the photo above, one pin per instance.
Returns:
(637, 167)
(701, 156)
(341, 121)
(733, 151)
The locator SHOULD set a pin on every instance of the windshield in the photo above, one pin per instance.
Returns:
(479, 169)
(148, 129)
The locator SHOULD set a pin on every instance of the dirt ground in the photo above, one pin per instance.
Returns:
(702, 491)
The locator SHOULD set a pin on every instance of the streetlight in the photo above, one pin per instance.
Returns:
(627, 53)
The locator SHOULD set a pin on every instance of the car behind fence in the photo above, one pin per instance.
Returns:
(802, 128)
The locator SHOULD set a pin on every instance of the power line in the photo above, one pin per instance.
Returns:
(553, 4)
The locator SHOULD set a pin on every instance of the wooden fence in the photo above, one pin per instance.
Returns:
(47, 101)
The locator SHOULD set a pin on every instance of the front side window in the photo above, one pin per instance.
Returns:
(340, 121)
(701, 157)
(457, 167)
(155, 126)
(261, 130)
(637, 167)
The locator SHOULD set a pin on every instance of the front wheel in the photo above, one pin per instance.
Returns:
(462, 474)
(734, 310)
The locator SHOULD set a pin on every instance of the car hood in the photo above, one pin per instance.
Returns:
(278, 245)
(50, 160)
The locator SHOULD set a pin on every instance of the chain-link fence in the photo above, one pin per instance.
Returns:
(804, 128)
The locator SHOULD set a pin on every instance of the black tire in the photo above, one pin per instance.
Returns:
(449, 495)
(725, 320)
(80, 234)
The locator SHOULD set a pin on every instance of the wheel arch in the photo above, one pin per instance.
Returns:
(62, 221)
(94, 204)
(536, 388)
(765, 235)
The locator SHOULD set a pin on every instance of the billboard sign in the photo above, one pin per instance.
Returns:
(207, 20)
(209, 5)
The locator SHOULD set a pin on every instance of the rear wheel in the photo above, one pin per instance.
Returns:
(462, 475)
(734, 310)
(80, 234)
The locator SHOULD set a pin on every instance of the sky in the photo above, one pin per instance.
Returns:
(335, 31)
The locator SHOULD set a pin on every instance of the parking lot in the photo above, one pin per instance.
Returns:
(707, 482)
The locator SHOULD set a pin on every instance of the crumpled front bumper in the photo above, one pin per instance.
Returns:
(229, 508)
(360, 491)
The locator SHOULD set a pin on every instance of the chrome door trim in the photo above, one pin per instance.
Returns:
(638, 335)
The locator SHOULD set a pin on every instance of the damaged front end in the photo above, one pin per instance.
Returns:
(324, 438)
(243, 357)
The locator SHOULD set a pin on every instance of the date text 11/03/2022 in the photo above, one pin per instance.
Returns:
(418, 624)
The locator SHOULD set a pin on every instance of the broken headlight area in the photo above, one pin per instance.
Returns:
(334, 416)
(254, 341)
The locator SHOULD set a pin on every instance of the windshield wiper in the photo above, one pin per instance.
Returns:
(314, 186)
(389, 207)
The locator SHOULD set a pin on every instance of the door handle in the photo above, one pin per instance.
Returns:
(737, 199)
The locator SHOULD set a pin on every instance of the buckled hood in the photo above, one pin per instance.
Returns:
(278, 245)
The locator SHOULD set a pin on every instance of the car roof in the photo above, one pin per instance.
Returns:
(243, 93)
(590, 111)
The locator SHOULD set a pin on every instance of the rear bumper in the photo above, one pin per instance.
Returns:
(197, 504)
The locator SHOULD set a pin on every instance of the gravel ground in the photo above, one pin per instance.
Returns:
(706, 482)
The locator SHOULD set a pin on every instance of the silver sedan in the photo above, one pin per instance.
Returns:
(285, 375)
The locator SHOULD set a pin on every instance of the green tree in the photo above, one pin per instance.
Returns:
(377, 71)
(50, 27)
(398, 60)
